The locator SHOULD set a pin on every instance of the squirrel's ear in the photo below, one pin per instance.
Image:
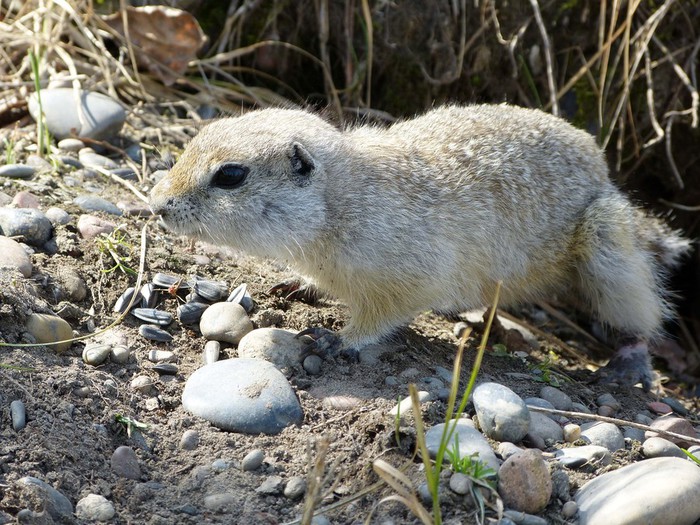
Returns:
(303, 165)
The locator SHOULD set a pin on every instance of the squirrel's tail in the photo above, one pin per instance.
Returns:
(666, 244)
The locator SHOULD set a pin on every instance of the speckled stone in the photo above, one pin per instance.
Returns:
(48, 329)
(524, 482)
(242, 395)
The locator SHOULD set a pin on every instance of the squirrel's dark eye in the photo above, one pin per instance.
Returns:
(229, 176)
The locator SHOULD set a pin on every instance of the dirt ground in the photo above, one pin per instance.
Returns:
(71, 407)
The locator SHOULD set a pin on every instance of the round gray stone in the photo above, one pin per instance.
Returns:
(656, 491)
(81, 113)
(524, 482)
(90, 159)
(125, 463)
(96, 353)
(559, 399)
(589, 454)
(94, 507)
(28, 223)
(546, 428)
(17, 171)
(242, 395)
(469, 441)
(58, 216)
(603, 434)
(658, 447)
(189, 440)
(252, 460)
(95, 203)
(226, 322)
(56, 504)
(502, 414)
(18, 414)
(280, 347)
(295, 487)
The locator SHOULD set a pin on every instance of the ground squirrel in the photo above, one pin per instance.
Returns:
(430, 213)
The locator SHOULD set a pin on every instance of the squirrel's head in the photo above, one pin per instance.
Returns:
(253, 182)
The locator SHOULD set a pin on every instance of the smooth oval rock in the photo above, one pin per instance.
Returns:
(559, 399)
(125, 463)
(546, 428)
(673, 424)
(603, 434)
(83, 113)
(211, 352)
(95, 203)
(95, 353)
(120, 354)
(469, 441)
(58, 216)
(90, 226)
(55, 503)
(280, 347)
(242, 395)
(189, 440)
(18, 415)
(524, 482)
(12, 255)
(588, 454)
(658, 447)
(405, 406)
(29, 224)
(295, 487)
(94, 507)
(656, 491)
(501, 413)
(17, 171)
(91, 159)
(225, 322)
(25, 199)
(71, 144)
(252, 460)
(49, 329)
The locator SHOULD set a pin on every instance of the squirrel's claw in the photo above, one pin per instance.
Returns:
(630, 365)
(327, 343)
(296, 290)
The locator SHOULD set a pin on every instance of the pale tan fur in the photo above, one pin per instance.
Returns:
(428, 213)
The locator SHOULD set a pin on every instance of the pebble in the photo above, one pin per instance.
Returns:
(569, 509)
(18, 415)
(94, 507)
(603, 434)
(252, 460)
(28, 223)
(40, 164)
(85, 114)
(572, 432)
(91, 159)
(606, 411)
(143, 384)
(161, 356)
(460, 483)
(189, 440)
(12, 255)
(120, 354)
(524, 482)
(312, 364)
(658, 490)
(676, 405)
(546, 428)
(673, 424)
(219, 502)
(593, 454)
(501, 413)
(242, 395)
(469, 441)
(220, 465)
(17, 171)
(54, 502)
(225, 322)
(559, 399)
(280, 347)
(635, 434)
(47, 329)
(90, 226)
(95, 203)
(405, 406)
(57, 216)
(521, 518)
(211, 352)
(154, 333)
(25, 199)
(659, 408)
(95, 353)
(271, 486)
(580, 407)
(125, 464)
(608, 400)
(506, 449)
(73, 285)
(71, 144)
(295, 488)
(658, 447)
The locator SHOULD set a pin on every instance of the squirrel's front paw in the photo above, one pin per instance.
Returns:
(630, 365)
(296, 290)
(328, 343)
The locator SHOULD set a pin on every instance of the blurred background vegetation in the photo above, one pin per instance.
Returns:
(625, 70)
